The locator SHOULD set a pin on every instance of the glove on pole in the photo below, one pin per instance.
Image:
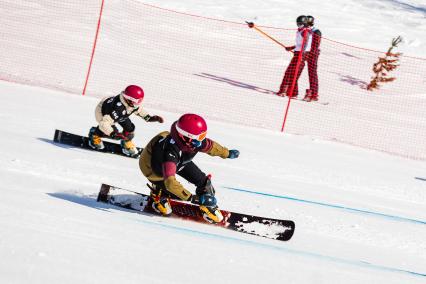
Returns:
(251, 25)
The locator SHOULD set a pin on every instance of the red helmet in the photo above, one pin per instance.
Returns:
(192, 129)
(133, 95)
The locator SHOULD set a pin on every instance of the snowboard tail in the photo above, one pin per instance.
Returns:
(281, 230)
(70, 139)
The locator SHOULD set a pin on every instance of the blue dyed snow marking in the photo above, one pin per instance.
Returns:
(330, 205)
(276, 247)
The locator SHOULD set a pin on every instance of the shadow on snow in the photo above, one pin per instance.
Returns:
(235, 83)
(90, 201)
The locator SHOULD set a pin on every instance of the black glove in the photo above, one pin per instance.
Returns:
(233, 154)
(156, 118)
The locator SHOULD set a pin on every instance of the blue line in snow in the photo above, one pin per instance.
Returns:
(281, 248)
(329, 205)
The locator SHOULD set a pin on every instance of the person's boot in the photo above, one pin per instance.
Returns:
(211, 214)
(207, 201)
(282, 91)
(129, 148)
(160, 203)
(310, 96)
(95, 140)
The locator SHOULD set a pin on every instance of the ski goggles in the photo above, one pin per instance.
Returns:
(194, 140)
(131, 100)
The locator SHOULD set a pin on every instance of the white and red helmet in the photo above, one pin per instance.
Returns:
(133, 95)
(192, 129)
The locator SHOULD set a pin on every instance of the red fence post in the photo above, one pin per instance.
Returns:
(295, 77)
(93, 48)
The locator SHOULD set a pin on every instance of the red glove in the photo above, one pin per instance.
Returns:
(250, 24)
(122, 135)
(290, 48)
(156, 118)
(117, 135)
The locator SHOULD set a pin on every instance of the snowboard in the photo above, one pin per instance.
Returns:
(281, 230)
(70, 139)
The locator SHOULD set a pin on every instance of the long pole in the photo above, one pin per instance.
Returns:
(93, 48)
(252, 25)
(295, 77)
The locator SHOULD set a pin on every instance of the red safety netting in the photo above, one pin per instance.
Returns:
(223, 70)
(47, 43)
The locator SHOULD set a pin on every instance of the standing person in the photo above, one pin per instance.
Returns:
(118, 109)
(312, 59)
(170, 153)
(303, 37)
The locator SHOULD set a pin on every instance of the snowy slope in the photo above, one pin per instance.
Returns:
(360, 215)
(187, 62)
(348, 21)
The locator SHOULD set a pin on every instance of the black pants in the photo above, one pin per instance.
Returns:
(126, 124)
(190, 172)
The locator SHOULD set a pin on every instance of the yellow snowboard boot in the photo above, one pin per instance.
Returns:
(129, 148)
(160, 204)
(95, 140)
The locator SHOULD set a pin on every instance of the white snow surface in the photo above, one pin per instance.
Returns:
(360, 214)
(366, 23)
(188, 63)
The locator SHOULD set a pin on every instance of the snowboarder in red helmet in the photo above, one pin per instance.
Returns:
(170, 153)
(190, 130)
(133, 95)
(117, 110)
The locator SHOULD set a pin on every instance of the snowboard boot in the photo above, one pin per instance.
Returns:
(95, 140)
(128, 148)
(211, 214)
(160, 204)
(208, 204)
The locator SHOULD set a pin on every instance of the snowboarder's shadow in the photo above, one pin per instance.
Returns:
(91, 201)
(64, 146)
(55, 143)
(235, 83)
(51, 142)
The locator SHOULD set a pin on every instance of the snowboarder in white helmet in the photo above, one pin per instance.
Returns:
(117, 110)
(171, 153)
